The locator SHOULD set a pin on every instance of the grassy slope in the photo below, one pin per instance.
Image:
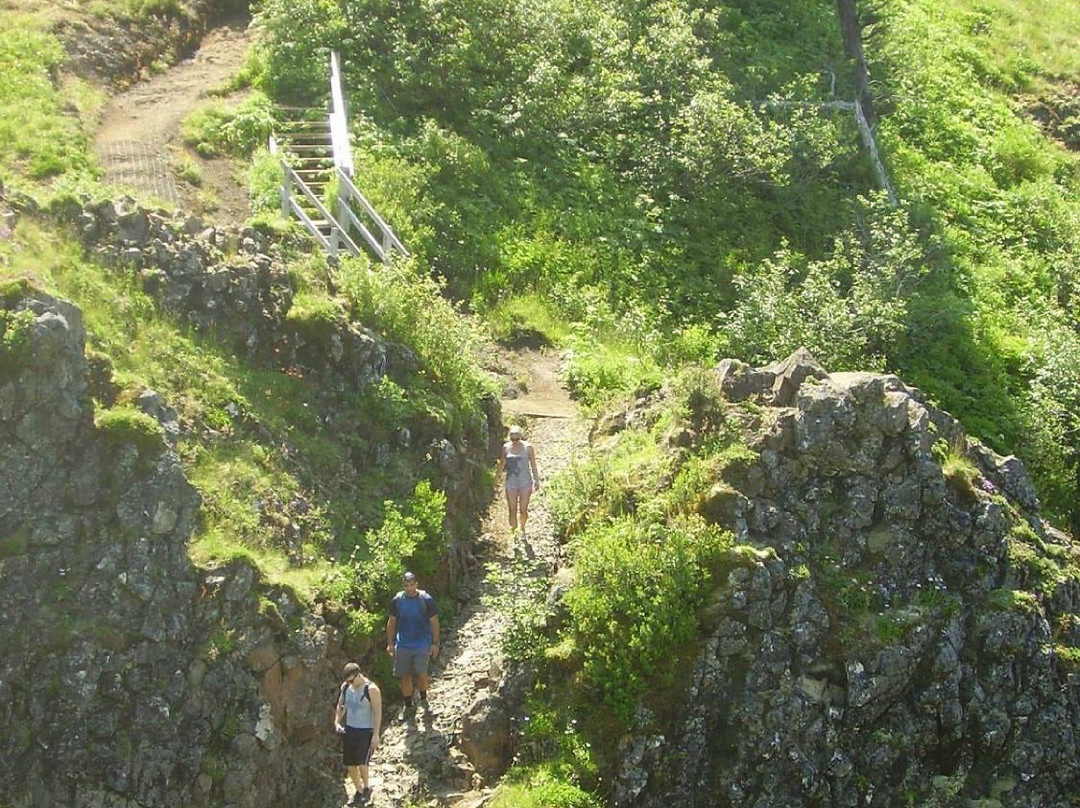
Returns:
(278, 486)
(995, 323)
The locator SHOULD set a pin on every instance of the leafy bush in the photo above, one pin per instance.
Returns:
(411, 537)
(637, 587)
(15, 339)
(264, 178)
(215, 128)
(405, 306)
(849, 310)
(294, 50)
(540, 788)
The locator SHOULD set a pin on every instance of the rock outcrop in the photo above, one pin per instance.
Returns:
(127, 676)
(899, 626)
(234, 284)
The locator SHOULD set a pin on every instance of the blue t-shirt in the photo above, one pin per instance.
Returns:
(413, 619)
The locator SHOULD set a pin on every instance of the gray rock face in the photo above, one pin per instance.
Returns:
(233, 284)
(128, 677)
(902, 634)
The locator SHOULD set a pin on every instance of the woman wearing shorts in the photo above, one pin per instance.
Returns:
(518, 457)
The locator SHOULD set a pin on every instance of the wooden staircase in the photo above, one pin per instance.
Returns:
(318, 186)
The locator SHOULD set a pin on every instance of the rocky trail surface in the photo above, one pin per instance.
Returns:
(423, 760)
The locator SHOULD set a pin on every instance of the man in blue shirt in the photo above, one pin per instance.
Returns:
(412, 639)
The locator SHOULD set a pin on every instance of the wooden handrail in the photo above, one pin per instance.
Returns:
(291, 178)
(347, 190)
(339, 120)
(388, 234)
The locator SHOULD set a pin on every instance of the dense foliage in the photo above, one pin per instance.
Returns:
(652, 169)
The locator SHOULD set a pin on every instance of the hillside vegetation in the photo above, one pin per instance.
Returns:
(651, 187)
(329, 485)
(671, 178)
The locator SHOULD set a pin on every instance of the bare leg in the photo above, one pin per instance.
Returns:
(358, 775)
(512, 496)
(523, 507)
(406, 686)
(422, 682)
(364, 774)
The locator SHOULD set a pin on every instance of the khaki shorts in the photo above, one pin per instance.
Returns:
(411, 660)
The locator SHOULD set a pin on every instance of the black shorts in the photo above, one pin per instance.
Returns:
(356, 746)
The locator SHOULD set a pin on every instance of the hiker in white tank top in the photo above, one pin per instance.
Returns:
(518, 460)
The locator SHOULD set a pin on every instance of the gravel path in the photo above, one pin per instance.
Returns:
(139, 138)
(420, 761)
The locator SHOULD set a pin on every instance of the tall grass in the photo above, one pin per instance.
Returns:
(39, 136)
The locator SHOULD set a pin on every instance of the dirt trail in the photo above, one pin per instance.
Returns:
(138, 141)
(422, 758)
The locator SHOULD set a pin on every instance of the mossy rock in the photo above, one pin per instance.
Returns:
(127, 425)
(314, 318)
(15, 289)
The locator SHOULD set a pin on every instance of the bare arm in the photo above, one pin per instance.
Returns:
(532, 465)
(435, 631)
(391, 634)
(376, 711)
(339, 714)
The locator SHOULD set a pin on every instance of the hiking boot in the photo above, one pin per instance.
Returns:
(365, 795)
(428, 712)
(408, 711)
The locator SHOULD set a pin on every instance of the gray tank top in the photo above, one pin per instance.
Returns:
(358, 712)
(518, 474)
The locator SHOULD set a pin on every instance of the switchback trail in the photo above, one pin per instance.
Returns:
(421, 761)
(139, 140)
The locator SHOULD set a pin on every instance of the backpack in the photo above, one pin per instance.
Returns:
(363, 695)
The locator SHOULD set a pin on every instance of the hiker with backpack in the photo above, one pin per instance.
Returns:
(412, 639)
(357, 718)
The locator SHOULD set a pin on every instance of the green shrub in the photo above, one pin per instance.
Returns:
(215, 128)
(264, 178)
(598, 373)
(634, 600)
(1010, 600)
(541, 786)
(961, 473)
(314, 316)
(15, 340)
(411, 536)
(401, 304)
